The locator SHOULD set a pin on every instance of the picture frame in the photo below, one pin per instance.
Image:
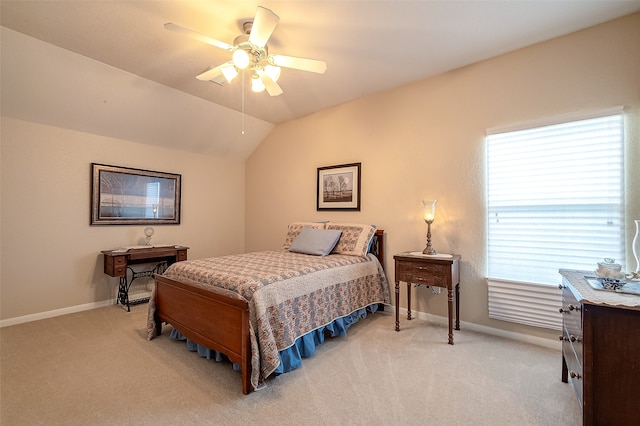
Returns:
(128, 196)
(338, 187)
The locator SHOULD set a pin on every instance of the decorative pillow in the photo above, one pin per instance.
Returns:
(355, 238)
(318, 242)
(295, 228)
(375, 228)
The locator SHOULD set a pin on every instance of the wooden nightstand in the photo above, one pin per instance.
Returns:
(430, 271)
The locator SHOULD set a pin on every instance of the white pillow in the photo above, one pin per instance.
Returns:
(318, 242)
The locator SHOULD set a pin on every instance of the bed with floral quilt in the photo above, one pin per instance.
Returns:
(267, 310)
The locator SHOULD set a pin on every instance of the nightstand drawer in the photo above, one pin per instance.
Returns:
(422, 273)
(430, 274)
(404, 271)
(434, 280)
(428, 268)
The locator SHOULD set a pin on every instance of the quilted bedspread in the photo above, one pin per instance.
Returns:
(289, 294)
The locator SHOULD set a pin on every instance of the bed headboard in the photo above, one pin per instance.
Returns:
(377, 247)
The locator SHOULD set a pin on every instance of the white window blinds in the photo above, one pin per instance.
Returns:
(555, 198)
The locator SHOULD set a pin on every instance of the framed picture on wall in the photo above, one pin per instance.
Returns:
(125, 196)
(339, 187)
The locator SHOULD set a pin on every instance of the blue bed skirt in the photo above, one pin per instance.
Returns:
(304, 347)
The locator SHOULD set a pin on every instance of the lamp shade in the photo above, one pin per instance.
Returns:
(230, 72)
(429, 207)
(273, 72)
(256, 84)
(241, 58)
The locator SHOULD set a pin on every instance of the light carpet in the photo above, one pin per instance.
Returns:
(97, 368)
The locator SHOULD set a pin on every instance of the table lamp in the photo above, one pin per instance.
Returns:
(429, 207)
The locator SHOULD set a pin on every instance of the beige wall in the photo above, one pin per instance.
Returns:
(51, 255)
(426, 140)
(420, 141)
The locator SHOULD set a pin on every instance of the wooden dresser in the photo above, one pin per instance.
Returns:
(601, 350)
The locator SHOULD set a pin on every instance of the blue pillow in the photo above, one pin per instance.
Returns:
(318, 242)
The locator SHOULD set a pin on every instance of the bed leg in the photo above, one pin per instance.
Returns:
(157, 324)
(246, 381)
(246, 368)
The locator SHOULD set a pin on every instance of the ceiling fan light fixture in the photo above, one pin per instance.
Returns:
(249, 51)
(241, 58)
(256, 84)
(230, 72)
(273, 72)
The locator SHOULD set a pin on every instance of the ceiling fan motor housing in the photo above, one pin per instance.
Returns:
(257, 55)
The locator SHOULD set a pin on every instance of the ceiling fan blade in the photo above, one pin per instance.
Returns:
(263, 25)
(215, 74)
(273, 88)
(304, 64)
(212, 41)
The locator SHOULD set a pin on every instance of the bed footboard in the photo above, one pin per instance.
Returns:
(209, 319)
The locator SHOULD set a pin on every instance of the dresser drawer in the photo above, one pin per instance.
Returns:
(575, 370)
(572, 322)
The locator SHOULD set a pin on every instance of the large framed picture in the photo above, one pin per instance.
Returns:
(339, 187)
(125, 196)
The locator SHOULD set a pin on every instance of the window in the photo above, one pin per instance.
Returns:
(555, 199)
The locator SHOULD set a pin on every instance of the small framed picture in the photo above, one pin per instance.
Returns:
(339, 187)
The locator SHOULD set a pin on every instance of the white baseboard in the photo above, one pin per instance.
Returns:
(539, 341)
(54, 313)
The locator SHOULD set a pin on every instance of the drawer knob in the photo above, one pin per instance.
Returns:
(575, 375)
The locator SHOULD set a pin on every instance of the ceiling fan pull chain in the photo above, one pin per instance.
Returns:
(243, 102)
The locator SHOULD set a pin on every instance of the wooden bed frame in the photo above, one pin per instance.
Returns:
(213, 320)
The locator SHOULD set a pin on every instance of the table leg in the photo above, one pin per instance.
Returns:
(397, 305)
(408, 301)
(450, 309)
(458, 306)
(123, 292)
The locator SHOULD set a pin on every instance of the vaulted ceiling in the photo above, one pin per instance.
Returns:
(369, 46)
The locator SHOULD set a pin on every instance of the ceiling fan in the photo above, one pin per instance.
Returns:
(250, 52)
